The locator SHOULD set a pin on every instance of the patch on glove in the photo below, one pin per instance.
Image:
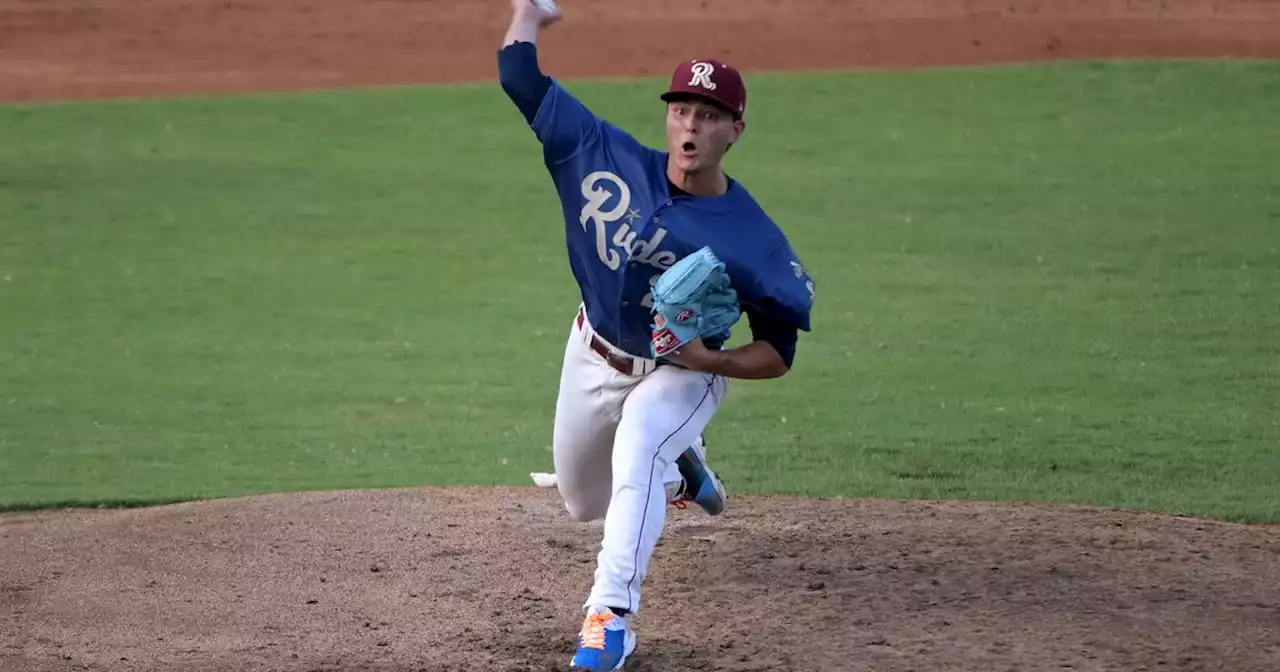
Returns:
(692, 299)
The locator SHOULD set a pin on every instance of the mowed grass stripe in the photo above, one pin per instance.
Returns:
(1046, 282)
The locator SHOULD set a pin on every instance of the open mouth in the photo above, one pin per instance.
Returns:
(689, 148)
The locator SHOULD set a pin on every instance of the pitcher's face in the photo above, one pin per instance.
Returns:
(699, 133)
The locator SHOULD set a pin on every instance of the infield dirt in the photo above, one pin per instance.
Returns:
(95, 48)
(492, 579)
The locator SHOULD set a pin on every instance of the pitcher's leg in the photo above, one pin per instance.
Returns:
(587, 410)
(661, 418)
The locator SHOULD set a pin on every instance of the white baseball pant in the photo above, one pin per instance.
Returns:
(615, 442)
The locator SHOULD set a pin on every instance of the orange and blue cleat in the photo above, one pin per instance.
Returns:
(605, 641)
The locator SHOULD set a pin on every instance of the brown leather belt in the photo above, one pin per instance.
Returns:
(622, 363)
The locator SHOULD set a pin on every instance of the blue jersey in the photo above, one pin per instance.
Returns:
(624, 226)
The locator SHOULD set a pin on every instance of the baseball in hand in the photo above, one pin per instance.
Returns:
(548, 6)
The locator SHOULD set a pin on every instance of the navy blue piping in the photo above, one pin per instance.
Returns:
(635, 563)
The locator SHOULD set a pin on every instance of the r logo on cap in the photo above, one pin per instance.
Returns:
(702, 75)
(694, 78)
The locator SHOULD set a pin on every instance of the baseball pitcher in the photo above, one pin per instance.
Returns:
(668, 252)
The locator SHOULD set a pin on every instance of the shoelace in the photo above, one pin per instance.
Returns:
(593, 630)
(681, 497)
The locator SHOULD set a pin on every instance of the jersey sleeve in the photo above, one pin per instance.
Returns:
(784, 289)
(560, 121)
(564, 125)
(521, 78)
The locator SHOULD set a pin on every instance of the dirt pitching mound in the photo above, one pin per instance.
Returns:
(94, 48)
(472, 579)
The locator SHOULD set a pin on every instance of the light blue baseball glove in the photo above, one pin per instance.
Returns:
(692, 299)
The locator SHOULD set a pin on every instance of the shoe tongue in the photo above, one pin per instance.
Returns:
(615, 620)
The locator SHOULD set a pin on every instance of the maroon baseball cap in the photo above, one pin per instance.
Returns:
(709, 78)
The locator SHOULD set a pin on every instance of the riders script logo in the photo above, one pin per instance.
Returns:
(702, 75)
(598, 188)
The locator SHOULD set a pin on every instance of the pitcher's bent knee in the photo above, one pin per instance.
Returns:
(581, 512)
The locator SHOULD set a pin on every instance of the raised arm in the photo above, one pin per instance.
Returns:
(518, 70)
(561, 122)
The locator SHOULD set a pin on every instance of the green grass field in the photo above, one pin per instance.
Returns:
(1051, 283)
